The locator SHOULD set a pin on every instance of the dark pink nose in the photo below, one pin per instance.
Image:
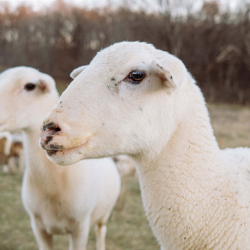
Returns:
(48, 131)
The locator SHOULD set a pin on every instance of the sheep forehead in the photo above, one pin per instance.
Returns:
(17, 75)
(119, 54)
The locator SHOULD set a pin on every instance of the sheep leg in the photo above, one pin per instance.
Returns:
(44, 240)
(21, 162)
(12, 165)
(100, 230)
(79, 238)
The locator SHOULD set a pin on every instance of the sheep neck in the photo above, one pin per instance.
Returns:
(192, 150)
(178, 177)
(36, 161)
(192, 144)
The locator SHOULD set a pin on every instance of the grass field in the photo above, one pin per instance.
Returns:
(231, 125)
(128, 228)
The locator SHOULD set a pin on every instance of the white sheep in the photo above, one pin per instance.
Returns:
(134, 99)
(58, 200)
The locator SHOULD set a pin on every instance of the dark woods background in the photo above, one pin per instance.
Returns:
(214, 44)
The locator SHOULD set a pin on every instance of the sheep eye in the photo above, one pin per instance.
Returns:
(30, 86)
(136, 76)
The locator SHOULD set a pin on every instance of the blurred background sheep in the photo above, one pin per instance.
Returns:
(11, 153)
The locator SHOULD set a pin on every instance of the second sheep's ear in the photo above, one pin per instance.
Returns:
(170, 69)
(46, 83)
(77, 71)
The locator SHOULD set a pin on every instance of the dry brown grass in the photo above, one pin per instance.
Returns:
(128, 228)
(231, 125)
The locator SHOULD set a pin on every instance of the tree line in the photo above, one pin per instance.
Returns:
(214, 45)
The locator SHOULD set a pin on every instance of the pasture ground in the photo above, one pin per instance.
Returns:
(127, 228)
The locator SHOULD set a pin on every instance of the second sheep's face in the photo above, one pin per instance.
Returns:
(24, 88)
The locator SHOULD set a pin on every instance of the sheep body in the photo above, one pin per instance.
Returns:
(58, 200)
(195, 195)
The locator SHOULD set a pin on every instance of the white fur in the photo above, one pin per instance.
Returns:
(195, 195)
(58, 200)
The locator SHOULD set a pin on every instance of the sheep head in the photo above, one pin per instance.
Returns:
(123, 102)
(26, 96)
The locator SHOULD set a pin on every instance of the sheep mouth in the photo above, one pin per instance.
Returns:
(63, 151)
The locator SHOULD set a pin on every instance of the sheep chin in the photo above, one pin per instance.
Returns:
(67, 156)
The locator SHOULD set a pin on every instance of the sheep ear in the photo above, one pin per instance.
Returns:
(43, 86)
(46, 83)
(170, 69)
(77, 71)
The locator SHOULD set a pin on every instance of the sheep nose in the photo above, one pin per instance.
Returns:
(51, 126)
(48, 131)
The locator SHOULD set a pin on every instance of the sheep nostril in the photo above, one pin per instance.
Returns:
(52, 127)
